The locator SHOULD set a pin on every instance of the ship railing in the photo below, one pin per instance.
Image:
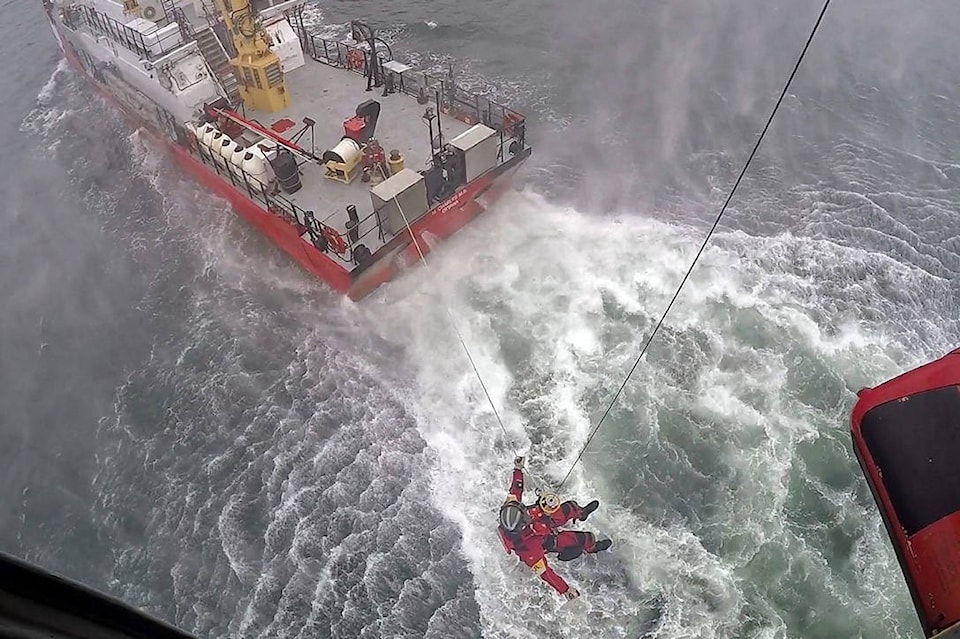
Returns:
(128, 37)
(372, 224)
(305, 220)
(468, 106)
(186, 29)
(338, 54)
(274, 202)
(455, 101)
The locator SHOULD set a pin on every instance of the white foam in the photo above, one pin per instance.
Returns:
(50, 109)
(545, 276)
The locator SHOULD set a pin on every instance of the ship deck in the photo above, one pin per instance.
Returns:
(329, 95)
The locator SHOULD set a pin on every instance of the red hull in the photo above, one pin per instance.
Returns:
(905, 434)
(439, 223)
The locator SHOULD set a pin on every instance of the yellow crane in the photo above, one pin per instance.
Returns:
(262, 85)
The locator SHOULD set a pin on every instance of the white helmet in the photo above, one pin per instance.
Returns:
(549, 503)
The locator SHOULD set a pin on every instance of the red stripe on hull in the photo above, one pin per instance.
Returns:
(282, 233)
(440, 223)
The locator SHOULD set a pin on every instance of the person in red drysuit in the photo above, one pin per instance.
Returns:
(532, 531)
(568, 544)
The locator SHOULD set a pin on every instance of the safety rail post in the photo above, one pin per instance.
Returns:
(201, 151)
(186, 29)
(278, 203)
(295, 209)
(263, 192)
(141, 45)
(246, 183)
(209, 159)
(368, 231)
(301, 36)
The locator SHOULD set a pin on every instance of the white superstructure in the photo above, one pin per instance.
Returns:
(152, 57)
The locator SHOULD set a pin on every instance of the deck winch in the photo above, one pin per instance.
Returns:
(343, 162)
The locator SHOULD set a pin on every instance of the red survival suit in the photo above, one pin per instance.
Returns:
(541, 534)
(528, 543)
(568, 544)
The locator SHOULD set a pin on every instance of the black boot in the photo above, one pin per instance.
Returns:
(602, 545)
(589, 508)
(568, 554)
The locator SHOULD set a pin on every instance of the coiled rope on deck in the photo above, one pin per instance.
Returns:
(703, 245)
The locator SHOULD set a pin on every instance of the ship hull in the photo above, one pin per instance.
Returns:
(442, 221)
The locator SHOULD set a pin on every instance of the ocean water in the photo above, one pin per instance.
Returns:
(193, 424)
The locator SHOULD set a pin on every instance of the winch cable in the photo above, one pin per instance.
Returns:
(703, 246)
(463, 342)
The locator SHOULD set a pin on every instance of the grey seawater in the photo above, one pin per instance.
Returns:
(201, 429)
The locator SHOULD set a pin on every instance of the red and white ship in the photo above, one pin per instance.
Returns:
(337, 152)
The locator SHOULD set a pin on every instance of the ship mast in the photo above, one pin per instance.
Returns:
(262, 85)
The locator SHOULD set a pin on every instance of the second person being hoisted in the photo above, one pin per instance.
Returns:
(533, 531)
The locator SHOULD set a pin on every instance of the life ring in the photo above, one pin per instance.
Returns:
(334, 240)
(163, 76)
(355, 59)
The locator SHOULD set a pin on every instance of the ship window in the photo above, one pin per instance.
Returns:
(916, 445)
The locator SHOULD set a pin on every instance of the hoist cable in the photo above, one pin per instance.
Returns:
(453, 323)
(703, 246)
